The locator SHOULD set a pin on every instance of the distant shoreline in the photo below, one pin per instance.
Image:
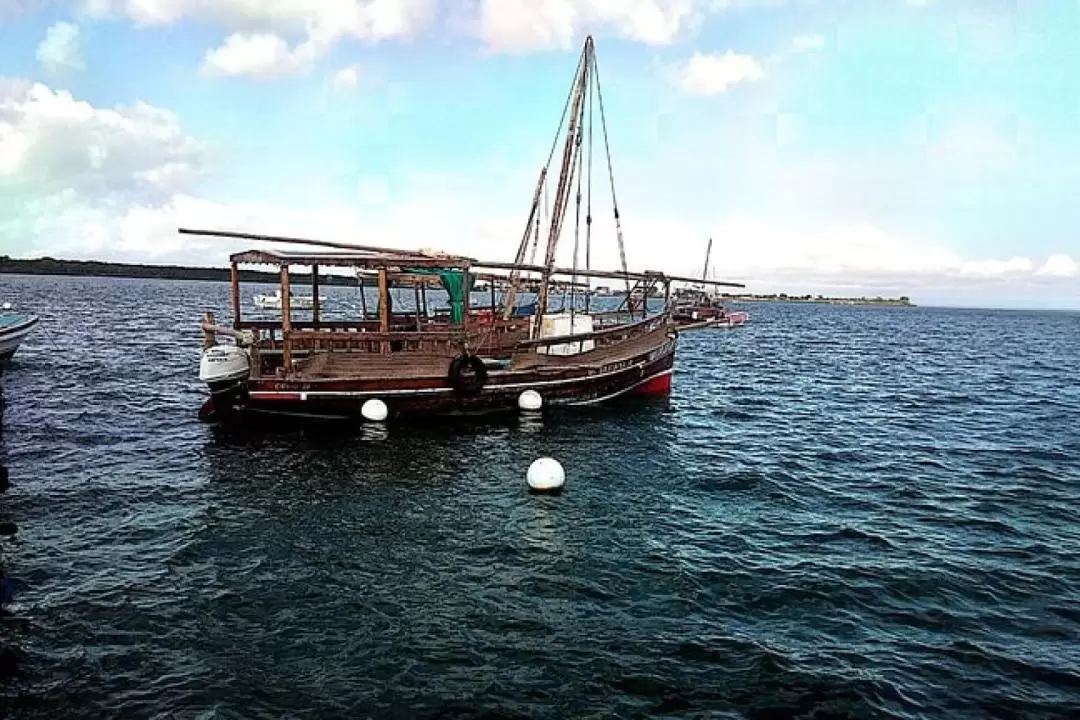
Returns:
(96, 268)
(902, 301)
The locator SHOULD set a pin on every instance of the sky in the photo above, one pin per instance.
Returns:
(926, 148)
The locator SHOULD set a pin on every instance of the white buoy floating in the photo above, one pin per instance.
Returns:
(374, 410)
(545, 475)
(530, 401)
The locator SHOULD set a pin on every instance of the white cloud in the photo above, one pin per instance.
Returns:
(259, 55)
(715, 74)
(61, 49)
(61, 157)
(256, 47)
(347, 78)
(998, 268)
(12, 8)
(517, 26)
(1060, 266)
(116, 183)
(808, 43)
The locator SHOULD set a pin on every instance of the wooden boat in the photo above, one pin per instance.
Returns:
(14, 327)
(409, 363)
(696, 308)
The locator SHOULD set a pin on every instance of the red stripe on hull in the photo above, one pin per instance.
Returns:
(659, 385)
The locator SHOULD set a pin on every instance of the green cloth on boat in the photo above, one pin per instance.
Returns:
(453, 282)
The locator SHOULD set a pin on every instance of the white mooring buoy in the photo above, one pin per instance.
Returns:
(530, 401)
(374, 410)
(545, 475)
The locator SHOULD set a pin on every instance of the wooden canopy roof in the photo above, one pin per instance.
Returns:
(358, 259)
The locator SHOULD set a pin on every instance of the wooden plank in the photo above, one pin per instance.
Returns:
(234, 276)
(286, 317)
(315, 295)
(384, 307)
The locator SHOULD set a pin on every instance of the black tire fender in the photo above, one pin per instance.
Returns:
(466, 384)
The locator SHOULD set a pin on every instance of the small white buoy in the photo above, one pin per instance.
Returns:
(374, 410)
(530, 401)
(545, 475)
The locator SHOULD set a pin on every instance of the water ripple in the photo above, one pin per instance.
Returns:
(841, 513)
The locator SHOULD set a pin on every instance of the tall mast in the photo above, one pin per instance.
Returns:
(566, 174)
(705, 270)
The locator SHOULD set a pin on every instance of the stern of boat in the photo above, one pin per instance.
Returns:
(225, 370)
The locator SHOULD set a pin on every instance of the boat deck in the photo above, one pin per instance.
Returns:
(338, 365)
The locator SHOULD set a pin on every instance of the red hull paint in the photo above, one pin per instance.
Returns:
(659, 385)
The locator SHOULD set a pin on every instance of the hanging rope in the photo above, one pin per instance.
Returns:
(566, 180)
(588, 202)
(515, 274)
(611, 172)
(577, 223)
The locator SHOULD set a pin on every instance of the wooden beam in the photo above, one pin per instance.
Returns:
(416, 302)
(384, 304)
(315, 295)
(286, 319)
(296, 241)
(234, 277)
(465, 298)
(363, 297)
(610, 274)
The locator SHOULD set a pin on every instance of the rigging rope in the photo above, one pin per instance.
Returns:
(515, 274)
(577, 222)
(566, 180)
(588, 202)
(611, 172)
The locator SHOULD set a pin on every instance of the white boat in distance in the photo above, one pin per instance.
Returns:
(13, 329)
(296, 302)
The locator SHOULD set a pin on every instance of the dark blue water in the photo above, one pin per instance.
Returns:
(843, 512)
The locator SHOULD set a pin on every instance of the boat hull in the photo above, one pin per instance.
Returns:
(709, 318)
(649, 373)
(13, 330)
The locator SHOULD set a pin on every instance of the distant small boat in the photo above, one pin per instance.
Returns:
(695, 309)
(14, 327)
(296, 302)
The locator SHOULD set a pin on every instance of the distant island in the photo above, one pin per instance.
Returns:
(902, 301)
(94, 268)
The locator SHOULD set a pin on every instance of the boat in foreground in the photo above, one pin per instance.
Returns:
(14, 327)
(400, 363)
(415, 365)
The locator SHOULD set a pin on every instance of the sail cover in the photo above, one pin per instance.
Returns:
(453, 281)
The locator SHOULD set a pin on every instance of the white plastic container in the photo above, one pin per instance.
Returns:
(565, 324)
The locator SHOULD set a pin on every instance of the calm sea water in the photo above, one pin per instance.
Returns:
(841, 513)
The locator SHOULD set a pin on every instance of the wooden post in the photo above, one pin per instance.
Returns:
(234, 276)
(286, 320)
(209, 339)
(315, 295)
(363, 297)
(384, 309)
(465, 297)
(423, 298)
(416, 301)
(492, 281)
